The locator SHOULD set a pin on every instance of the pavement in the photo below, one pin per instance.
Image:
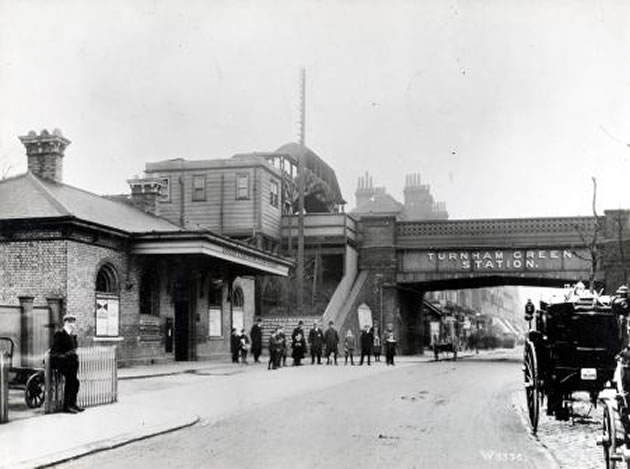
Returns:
(33, 439)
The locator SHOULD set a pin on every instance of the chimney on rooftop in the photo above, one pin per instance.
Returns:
(45, 153)
(145, 193)
(365, 189)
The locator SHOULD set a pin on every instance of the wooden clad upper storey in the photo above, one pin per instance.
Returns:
(238, 197)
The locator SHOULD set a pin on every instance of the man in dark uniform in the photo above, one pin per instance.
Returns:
(331, 339)
(298, 344)
(316, 341)
(64, 358)
(235, 345)
(255, 335)
(367, 338)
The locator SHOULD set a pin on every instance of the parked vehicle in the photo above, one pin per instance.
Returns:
(30, 379)
(571, 347)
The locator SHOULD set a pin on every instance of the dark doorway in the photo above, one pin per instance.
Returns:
(182, 325)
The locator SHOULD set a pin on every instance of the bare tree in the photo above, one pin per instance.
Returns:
(5, 170)
(5, 167)
(622, 255)
(591, 239)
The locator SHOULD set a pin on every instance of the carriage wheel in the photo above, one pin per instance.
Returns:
(609, 437)
(532, 391)
(35, 390)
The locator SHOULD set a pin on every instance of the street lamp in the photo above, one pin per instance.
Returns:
(379, 285)
(478, 317)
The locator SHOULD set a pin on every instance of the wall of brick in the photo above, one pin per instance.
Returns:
(370, 295)
(67, 269)
(84, 261)
(32, 268)
(270, 323)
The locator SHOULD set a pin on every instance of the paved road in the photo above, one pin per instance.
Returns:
(416, 415)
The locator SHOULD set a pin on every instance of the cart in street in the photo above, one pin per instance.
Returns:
(31, 380)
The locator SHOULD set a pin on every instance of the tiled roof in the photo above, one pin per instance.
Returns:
(28, 196)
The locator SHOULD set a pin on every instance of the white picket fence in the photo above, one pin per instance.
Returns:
(98, 379)
(98, 376)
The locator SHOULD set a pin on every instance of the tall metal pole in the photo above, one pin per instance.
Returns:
(300, 254)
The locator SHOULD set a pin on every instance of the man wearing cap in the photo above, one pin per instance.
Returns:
(64, 359)
(331, 339)
(316, 341)
(255, 335)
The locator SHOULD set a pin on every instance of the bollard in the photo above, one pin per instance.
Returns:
(5, 363)
(54, 384)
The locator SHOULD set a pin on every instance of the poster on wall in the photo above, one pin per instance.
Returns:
(237, 319)
(214, 322)
(107, 317)
(365, 316)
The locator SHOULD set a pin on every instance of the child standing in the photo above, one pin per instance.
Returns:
(244, 346)
(348, 347)
(390, 346)
(376, 347)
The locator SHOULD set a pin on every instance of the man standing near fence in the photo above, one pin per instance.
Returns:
(64, 358)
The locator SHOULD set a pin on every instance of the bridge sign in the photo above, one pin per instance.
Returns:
(501, 260)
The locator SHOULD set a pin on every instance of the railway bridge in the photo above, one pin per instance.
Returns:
(401, 260)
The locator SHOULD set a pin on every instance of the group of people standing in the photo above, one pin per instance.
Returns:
(320, 343)
(370, 343)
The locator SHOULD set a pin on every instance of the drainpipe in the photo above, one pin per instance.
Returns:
(26, 331)
(182, 201)
(221, 201)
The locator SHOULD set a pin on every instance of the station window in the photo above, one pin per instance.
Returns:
(165, 193)
(242, 186)
(199, 187)
(273, 194)
(107, 302)
(107, 280)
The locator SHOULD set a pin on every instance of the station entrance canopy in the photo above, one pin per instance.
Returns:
(246, 260)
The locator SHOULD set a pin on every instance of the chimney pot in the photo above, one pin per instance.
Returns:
(145, 193)
(45, 153)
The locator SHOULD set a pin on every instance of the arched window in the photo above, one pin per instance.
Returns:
(365, 316)
(107, 280)
(238, 299)
(107, 301)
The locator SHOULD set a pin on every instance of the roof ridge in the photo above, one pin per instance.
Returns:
(105, 199)
(49, 195)
(11, 178)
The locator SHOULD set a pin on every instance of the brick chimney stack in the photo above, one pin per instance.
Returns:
(45, 153)
(365, 189)
(145, 193)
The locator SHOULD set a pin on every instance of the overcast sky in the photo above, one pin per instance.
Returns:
(507, 108)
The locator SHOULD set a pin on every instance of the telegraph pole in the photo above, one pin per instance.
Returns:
(300, 253)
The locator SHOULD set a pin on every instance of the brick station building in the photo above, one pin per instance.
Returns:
(157, 290)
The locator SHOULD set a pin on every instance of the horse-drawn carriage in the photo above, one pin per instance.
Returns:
(615, 436)
(31, 380)
(446, 340)
(572, 347)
